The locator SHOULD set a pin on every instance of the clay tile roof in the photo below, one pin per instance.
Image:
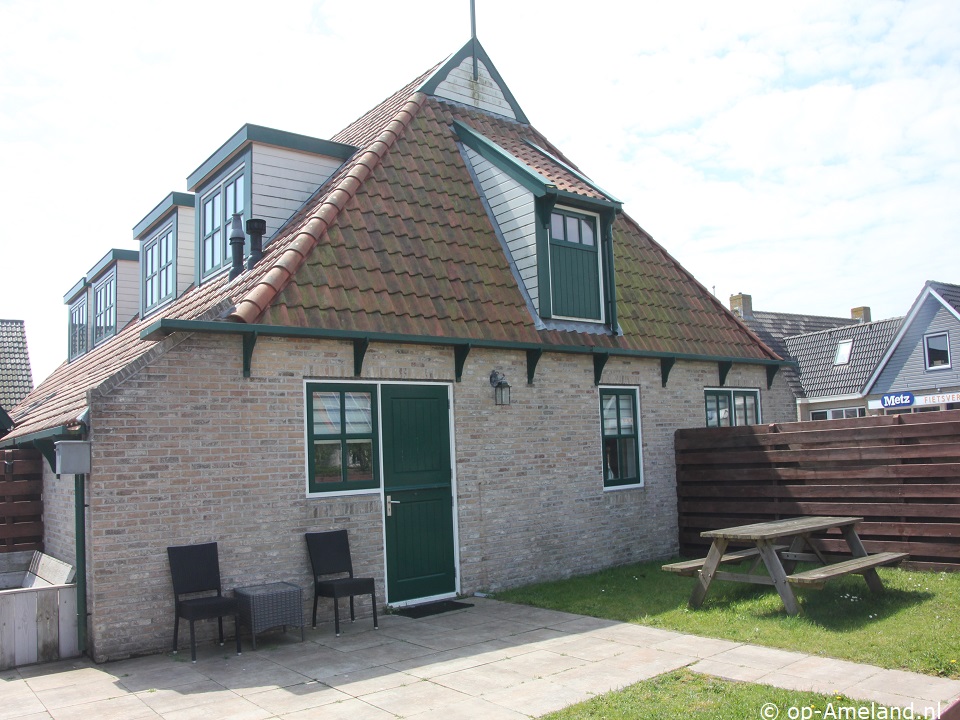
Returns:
(16, 380)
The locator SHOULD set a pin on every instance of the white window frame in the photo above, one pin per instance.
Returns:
(157, 269)
(926, 351)
(218, 234)
(106, 290)
(78, 330)
(844, 413)
(844, 350)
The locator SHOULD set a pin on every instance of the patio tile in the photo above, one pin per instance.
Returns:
(762, 658)
(911, 685)
(282, 701)
(647, 662)
(356, 641)
(728, 671)
(470, 710)
(127, 707)
(251, 674)
(842, 673)
(372, 680)
(416, 697)
(80, 693)
(700, 647)
(18, 700)
(483, 679)
(583, 624)
(597, 678)
(448, 661)
(155, 672)
(232, 708)
(782, 679)
(47, 676)
(351, 709)
(537, 697)
(541, 663)
(588, 647)
(921, 708)
(639, 635)
(388, 653)
(199, 694)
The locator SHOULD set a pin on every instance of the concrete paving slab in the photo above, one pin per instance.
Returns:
(126, 707)
(537, 697)
(696, 646)
(911, 685)
(286, 700)
(352, 709)
(763, 658)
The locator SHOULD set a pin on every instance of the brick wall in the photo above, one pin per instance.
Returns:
(186, 450)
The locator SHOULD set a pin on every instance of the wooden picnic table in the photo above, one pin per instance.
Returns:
(767, 540)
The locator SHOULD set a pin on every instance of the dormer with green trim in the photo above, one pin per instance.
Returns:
(259, 173)
(166, 238)
(103, 301)
(559, 241)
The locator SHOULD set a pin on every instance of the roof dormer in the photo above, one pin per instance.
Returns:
(166, 237)
(103, 301)
(258, 173)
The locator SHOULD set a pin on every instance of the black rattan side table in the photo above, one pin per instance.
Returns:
(270, 605)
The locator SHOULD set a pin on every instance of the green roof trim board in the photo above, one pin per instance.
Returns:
(268, 136)
(104, 263)
(490, 151)
(171, 201)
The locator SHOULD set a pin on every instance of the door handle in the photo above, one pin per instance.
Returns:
(390, 504)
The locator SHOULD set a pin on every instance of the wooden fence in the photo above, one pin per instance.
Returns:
(901, 473)
(37, 625)
(21, 500)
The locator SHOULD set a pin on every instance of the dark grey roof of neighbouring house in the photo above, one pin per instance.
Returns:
(950, 293)
(774, 327)
(16, 380)
(815, 353)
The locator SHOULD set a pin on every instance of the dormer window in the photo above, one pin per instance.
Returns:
(843, 352)
(217, 207)
(105, 308)
(78, 329)
(575, 265)
(158, 266)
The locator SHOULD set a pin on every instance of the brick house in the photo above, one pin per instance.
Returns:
(436, 251)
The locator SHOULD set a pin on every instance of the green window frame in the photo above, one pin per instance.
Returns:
(575, 273)
(105, 308)
(729, 408)
(342, 449)
(158, 257)
(620, 429)
(78, 329)
(216, 208)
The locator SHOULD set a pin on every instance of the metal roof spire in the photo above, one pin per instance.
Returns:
(473, 39)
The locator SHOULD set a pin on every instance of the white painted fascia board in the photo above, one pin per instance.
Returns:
(947, 305)
(831, 398)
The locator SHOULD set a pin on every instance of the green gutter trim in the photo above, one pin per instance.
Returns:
(268, 136)
(573, 171)
(59, 432)
(166, 326)
(171, 201)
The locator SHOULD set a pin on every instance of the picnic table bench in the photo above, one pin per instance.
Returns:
(780, 560)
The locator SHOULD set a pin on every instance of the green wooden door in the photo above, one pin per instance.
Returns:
(418, 494)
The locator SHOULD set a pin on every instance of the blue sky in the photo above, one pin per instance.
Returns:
(804, 153)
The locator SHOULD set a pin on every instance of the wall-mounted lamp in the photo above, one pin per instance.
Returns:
(501, 388)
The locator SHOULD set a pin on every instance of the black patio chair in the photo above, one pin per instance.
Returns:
(195, 569)
(330, 555)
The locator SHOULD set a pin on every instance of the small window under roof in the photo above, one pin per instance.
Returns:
(843, 352)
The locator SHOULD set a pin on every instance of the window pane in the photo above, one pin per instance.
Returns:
(843, 352)
(360, 462)
(326, 413)
(610, 415)
(723, 410)
(357, 406)
(238, 187)
(229, 200)
(586, 228)
(818, 415)
(628, 455)
(626, 414)
(327, 464)
(556, 227)
(611, 450)
(573, 231)
(938, 354)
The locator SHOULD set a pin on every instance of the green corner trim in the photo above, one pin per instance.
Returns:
(512, 166)
(460, 353)
(723, 367)
(473, 48)
(360, 346)
(160, 212)
(533, 357)
(666, 365)
(599, 361)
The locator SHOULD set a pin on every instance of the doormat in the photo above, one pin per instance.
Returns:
(434, 608)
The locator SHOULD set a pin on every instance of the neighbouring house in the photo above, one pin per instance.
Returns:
(834, 365)
(455, 345)
(920, 367)
(16, 379)
(787, 393)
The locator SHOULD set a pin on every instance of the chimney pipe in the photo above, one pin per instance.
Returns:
(256, 229)
(742, 305)
(860, 314)
(237, 241)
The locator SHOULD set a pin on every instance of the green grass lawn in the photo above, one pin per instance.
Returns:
(684, 694)
(913, 625)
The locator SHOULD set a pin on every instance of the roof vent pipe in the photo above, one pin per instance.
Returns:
(256, 229)
(237, 241)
